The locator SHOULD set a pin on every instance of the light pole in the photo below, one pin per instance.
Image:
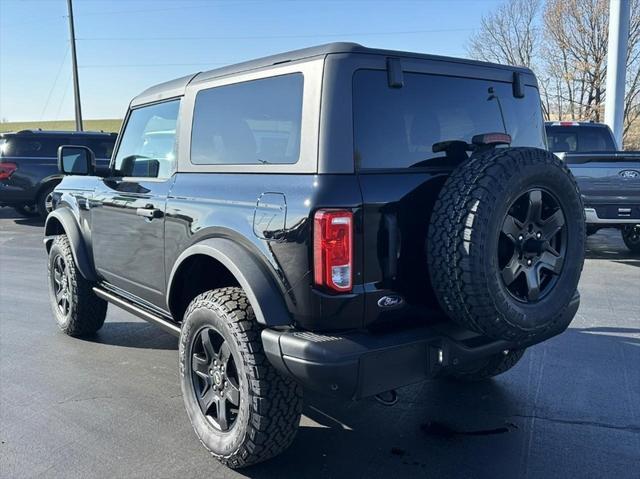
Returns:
(74, 64)
(617, 66)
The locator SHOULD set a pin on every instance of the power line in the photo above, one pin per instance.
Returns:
(244, 2)
(55, 82)
(134, 65)
(264, 37)
(66, 89)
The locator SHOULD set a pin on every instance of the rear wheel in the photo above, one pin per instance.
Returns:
(77, 310)
(488, 367)
(506, 243)
(631, 238)
(44, 204)
(241, 408)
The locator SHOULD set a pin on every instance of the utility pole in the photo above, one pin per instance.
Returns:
(617, 66)
(74, 64)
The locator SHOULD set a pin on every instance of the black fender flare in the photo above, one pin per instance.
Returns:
(258, 284)
(67, 221)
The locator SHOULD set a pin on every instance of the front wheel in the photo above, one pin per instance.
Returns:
(241, 408)
(631, 237)
(77, 309)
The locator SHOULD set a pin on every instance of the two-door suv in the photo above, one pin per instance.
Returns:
(338, 218)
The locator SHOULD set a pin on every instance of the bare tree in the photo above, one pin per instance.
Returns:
(575, 54)
(632, 95)
(565, 42)
(508, 35)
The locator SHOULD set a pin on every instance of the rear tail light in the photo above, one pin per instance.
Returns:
(6, 170)
(333, 250)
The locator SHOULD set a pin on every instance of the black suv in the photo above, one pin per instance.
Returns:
(338, 218)
(29, 165)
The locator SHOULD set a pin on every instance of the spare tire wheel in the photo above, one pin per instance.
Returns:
(506, 242)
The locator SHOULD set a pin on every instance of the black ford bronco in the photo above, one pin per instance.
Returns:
(339, 218)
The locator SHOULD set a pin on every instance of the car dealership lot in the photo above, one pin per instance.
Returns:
(111, 406)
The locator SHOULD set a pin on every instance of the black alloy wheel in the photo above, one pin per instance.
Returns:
(61, 288)
(532, 245)
(215, 379)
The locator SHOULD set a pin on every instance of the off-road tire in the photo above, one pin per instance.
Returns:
(270, 404)
(87, 312)
(631, 238)
(462, 242)
(489, 367)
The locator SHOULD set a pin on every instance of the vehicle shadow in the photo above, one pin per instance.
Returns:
(133, 334)
(488, 429)
(630, 262)
(11, 214)
(607, 244)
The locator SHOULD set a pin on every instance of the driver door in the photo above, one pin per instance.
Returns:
(127, 213)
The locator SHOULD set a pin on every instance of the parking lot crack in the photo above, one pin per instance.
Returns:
(92, 398)
(628, 427)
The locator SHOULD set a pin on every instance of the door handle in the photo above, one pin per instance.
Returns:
(149, 213)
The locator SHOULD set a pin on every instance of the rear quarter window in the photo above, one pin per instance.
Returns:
(254, 122)
(397, 127)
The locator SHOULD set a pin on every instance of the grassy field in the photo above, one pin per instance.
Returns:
(93, 125)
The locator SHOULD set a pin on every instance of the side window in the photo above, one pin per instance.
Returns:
(101, 148)
(255, 122)
(147, 148)
(35, 147)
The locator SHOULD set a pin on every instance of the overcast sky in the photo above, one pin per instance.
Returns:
(125, 46)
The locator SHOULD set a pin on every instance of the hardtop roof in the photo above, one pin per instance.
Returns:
(177, 87)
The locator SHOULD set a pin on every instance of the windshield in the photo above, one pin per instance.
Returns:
(579, 138)
(397, 127)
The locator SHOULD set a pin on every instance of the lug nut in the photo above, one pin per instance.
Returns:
(520, 238)
(529, 262)
(539, 235)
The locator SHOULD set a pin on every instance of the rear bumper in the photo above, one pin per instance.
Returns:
(620, 215)
(360, 364)
(614, 207)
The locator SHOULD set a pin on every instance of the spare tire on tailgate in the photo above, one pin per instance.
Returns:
(506, 242)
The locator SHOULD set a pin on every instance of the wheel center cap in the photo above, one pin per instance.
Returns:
(532, 245)
(217, 378)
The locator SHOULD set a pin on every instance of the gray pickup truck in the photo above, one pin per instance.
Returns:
(609, 179)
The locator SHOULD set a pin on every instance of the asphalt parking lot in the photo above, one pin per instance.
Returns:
(111, 406)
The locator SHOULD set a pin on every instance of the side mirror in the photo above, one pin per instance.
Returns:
(76, 160)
